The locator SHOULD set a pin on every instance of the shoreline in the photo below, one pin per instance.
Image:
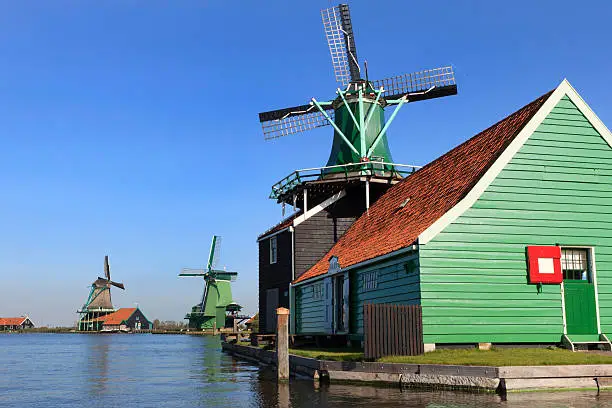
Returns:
(51, 331)
(494, 379)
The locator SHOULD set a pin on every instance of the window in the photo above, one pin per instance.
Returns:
(317, 291)
(369, 280)
(575, 264)
(273, 250)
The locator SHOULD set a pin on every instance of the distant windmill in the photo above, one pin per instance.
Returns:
(98, 302)
(357, 115)
(217, 296)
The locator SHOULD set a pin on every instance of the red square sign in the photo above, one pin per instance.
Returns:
(544, 264)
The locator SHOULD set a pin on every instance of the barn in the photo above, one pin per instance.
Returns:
(15, 323)
(125, 319)
(504, 239)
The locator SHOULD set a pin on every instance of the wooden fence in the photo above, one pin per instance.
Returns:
(392, 330)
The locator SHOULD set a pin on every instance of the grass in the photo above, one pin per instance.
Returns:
(503, 357)
(333, 354)
(475, 357)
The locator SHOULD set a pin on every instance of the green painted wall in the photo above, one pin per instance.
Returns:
(341, 152)
(556, 190)
(397, 281)
(309, 312)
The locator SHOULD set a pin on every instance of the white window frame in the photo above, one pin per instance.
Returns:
(273, 250)
(369, 280)
(318, 291)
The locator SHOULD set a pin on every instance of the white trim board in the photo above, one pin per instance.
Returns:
(317, 208)
(474, 194)
(273, 234)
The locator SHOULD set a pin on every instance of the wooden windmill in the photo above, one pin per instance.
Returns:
(210, 313)
(99, 301)
(359, 153)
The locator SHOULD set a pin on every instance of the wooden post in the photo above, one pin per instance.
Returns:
(282, 343)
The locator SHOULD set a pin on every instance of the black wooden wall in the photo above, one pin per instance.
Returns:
(277, 275)
(315, 236)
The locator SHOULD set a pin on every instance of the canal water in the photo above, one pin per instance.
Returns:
(80, 370)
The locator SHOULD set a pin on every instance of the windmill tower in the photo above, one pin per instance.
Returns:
(98, 302)
(360, 163)
(210, 313)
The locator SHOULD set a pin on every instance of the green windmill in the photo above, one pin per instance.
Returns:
(357, 115)
(210, 313)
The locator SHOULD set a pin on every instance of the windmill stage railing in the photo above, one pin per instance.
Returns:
(342, 172)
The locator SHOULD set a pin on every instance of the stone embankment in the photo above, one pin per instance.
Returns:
(434, 376)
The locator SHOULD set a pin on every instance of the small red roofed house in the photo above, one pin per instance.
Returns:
(15, 323)
(125, 319)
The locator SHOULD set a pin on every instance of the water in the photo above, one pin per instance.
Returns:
(79, 370)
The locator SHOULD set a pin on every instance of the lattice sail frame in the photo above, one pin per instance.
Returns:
(338, 39)
(273, 129)
(215, 252)
(416, 82)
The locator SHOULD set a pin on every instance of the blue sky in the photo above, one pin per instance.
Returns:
(129, 128)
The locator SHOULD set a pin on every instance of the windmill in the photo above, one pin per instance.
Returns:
(360, 152)
(99, 301)
(210, 313)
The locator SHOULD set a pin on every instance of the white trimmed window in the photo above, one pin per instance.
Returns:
(369, 280)
(273, 250)
(317, 291)
(575, 264)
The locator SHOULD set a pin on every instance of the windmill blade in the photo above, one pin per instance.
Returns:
(118, 285)
(427, 84)
(192, 272)
(106, 268)
(339, 33)
(288, 121)
(215, 253)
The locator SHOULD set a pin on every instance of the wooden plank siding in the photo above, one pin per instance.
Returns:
(556, 190)
(310, 312)
(397, 282)
(315, 237)
(276, 275)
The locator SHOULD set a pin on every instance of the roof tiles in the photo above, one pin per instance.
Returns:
(12, 321)
(117, 317)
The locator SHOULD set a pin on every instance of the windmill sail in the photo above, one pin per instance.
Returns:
(339, 33)
(289, 121)
(215, 253)
(430, 83)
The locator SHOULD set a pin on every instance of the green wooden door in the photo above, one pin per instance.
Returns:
(580, 313)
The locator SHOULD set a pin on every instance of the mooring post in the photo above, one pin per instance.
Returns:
(282, 343)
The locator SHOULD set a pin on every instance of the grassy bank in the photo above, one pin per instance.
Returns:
(329, 354)
(494, 357)
(503, 357)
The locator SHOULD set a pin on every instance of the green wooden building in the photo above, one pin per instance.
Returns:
(453, 237)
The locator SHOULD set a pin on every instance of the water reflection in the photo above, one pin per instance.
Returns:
(96, 364)
(183, 371)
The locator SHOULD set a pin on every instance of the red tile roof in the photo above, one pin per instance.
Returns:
(287, 222)
(11, 321)
(117, 317)
(427, 195)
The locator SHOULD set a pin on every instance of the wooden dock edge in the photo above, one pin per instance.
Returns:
(434, 376)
